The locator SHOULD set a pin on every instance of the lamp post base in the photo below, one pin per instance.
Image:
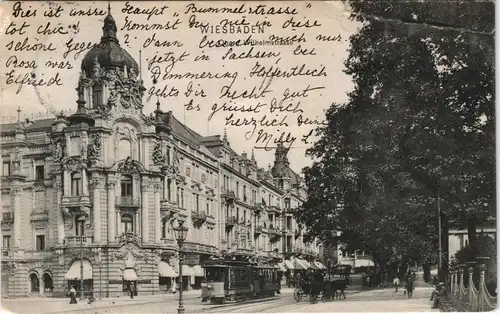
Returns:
(180, 310)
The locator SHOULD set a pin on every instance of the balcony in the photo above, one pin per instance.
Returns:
(75, 201)
(7, 218)
(76, 240)
(199, 217)
(39, 215)
(275, 209)
(128, 201)
(231, 221)
(229, 195)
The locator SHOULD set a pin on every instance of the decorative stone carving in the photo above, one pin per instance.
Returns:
(158, 155)
(73, 164)
(129, 166)
(188, 171)
(125, 131)
(129, 238)
(94, 147)
(16, 161)
(203, 178)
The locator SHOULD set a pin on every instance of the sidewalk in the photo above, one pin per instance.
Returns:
(61, 305)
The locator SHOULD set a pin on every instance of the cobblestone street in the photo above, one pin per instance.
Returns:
(380, 300)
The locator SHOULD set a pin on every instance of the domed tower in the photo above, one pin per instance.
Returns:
(281, 166)
(109, 75)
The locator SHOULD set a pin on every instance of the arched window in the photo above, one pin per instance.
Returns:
(127, 223)
(80, 226)
(164, 230)
(35, 283)
(97, 95)
(126, 185)
(124, 149)
(47, 282)
(76, 183)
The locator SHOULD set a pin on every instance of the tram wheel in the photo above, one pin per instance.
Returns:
(298, 294)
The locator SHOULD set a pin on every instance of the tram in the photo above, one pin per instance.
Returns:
(233, 281)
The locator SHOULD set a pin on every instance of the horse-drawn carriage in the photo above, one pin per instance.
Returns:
(327, 289)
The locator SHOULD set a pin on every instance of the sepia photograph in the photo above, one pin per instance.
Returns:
(248, 156)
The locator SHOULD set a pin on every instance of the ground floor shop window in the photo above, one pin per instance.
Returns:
(88, 286)
(166, 282)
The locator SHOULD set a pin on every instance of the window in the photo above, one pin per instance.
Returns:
(245, 193)
(96, 95)
(182, 198)
(237, 189)
(6, 241)
(164, 229)
(75, 146)
(76, 184)
(287, 204)
(127, 223)
(80, 226)
(197, 203)
(177, 196)
(169, 189)
(208, 207)
(126, 185)
(6, 169)
(39, 172)
(40, 242)
(168, 156)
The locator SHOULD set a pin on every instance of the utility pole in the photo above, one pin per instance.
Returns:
(440, 249)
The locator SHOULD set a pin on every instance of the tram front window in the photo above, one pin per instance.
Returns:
(215, 275)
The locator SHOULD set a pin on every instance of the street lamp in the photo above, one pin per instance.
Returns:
(180, 235)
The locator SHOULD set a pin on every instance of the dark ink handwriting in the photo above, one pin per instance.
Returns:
(290, 39)
(18, 11)
(255, 93)
(205, 42)
(12, 29)
(160, 44)
(272, 71)
(299, 51)
(192, 8)
(30, 79)
(198, 92)
(154, 11)
(329, 38)
(165, 92)
(250, 54)
(26, 46)
(130, 25)
(295, 24)
(232, 107)
(47, 29)
(263, 9)
(190, 106)
(88, 12)
(169, 58)
(77, 48)
(51, 13)
(14, 62)
(306, 121)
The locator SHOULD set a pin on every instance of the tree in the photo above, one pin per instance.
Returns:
(419, 122)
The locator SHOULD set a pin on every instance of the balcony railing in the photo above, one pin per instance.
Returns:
(76, 240)
(228, 194)
(231, 221)
(76, 200)
(128, 201)
(199, 216)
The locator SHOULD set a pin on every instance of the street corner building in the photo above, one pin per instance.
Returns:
(100, 188)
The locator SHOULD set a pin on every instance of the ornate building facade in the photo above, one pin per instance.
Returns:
(106, 183)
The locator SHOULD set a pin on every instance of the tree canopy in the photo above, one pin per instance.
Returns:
(418, 124)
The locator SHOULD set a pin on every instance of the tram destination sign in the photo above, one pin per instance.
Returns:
(191, 259)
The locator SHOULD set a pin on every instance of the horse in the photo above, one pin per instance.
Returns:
(337, 287)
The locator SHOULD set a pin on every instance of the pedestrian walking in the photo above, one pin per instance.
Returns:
(173, 289)
(132, 290)
(396, 283)
(72, 295)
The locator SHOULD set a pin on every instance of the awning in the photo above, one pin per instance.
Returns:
(165, 270)
(289, 265)
(129, 274)
(281, 267)
(319, 265)
(198, 271)
(307, 263)
(74, 271)
(187, 271)
(300, 264)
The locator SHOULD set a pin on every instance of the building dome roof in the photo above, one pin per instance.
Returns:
(108, 53)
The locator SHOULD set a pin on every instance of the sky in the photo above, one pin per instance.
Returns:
(327, 19)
